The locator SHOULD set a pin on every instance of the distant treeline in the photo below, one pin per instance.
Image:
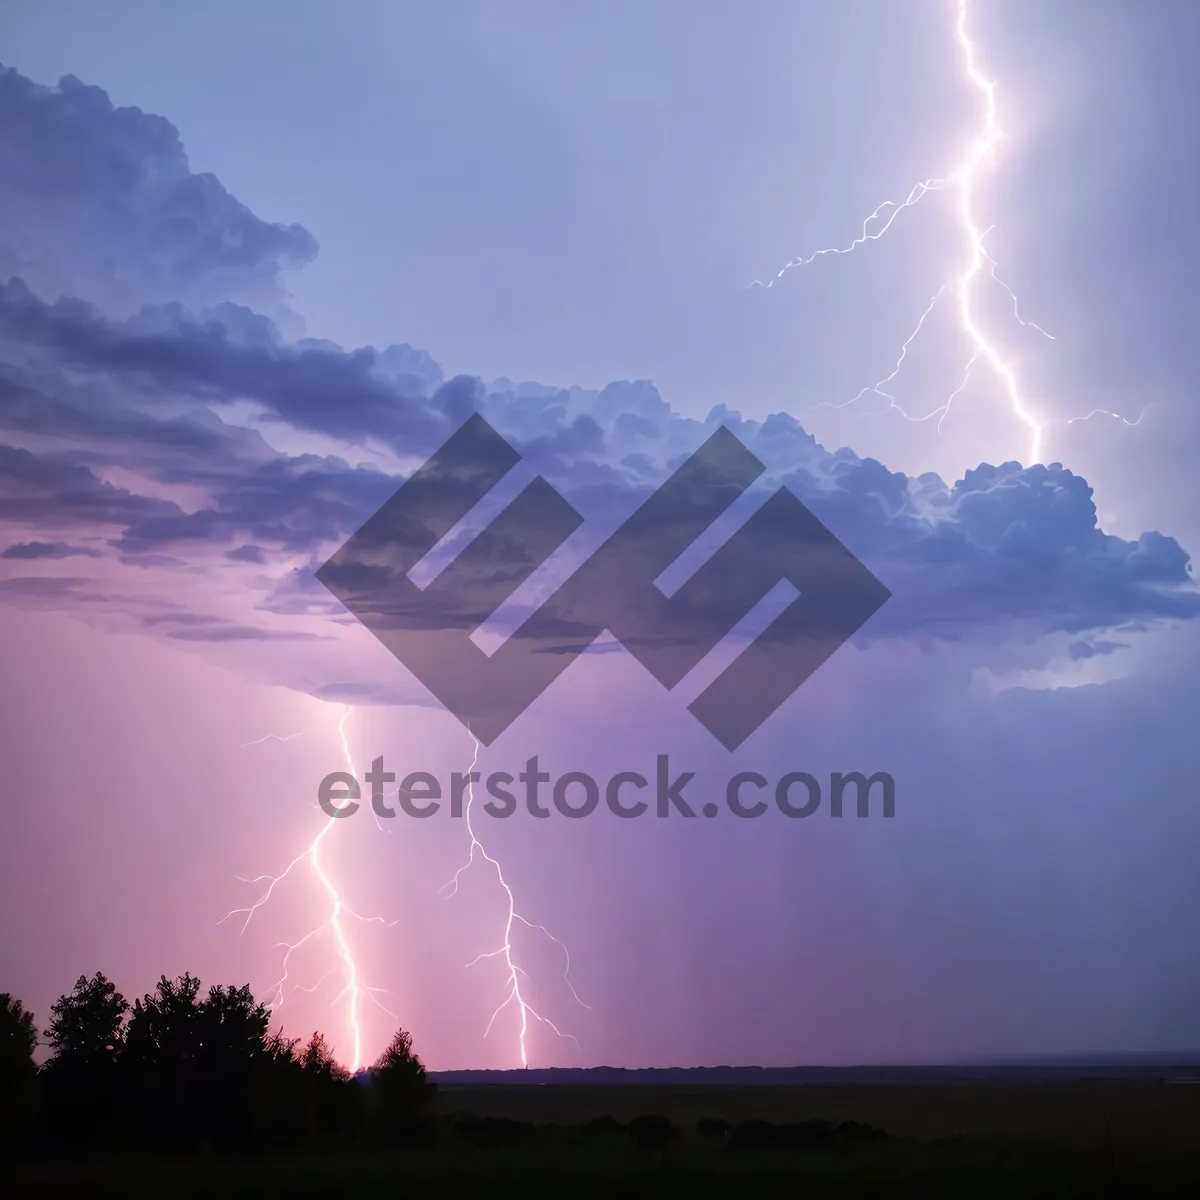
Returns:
(654, 1130)
(183, 1070)
(1174, 1065)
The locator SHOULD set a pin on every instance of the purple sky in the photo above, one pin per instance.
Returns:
(576, 198)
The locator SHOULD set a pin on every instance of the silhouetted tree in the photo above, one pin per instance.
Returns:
(165, 1024)
(18, 1039)
(18, 1074)
(18, 1034)
(86, 1034)
(233, 1059)
(198, 1068)
(652, 1131)
(159, 1063)
(87, 1025)
(283, 1096)
(400, 1087)
(317, 1059)
(187, 1070)
(334, 1103)
(713, 1130)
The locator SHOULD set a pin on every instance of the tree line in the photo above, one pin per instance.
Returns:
(184, 1070)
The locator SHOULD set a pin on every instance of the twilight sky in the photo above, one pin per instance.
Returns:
(489, 195)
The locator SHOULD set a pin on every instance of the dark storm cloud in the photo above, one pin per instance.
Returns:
(299, 593)
(106, 427)
(49, 591)
(132, 391)
(293, 503)
(241, 633)
(365, 693)
(145, 561)
(1085, 650)
(43, 585)
(182, 626)
(322, 391)
(179, 618)
(1004, 543)
(38, 490)
(48, 550)
(101, 202)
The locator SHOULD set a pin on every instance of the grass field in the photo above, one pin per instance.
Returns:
(1007, 1141)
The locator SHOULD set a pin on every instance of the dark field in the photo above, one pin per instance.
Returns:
(1139, 1113)
(1127, 1138)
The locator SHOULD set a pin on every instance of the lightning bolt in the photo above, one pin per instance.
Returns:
(354, 991)
(273, 737)
(513, 973)
(962, 182)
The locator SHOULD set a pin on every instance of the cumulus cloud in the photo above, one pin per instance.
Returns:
(1082, 651)
(131, 355)
(1005, 543)
(100, 202)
